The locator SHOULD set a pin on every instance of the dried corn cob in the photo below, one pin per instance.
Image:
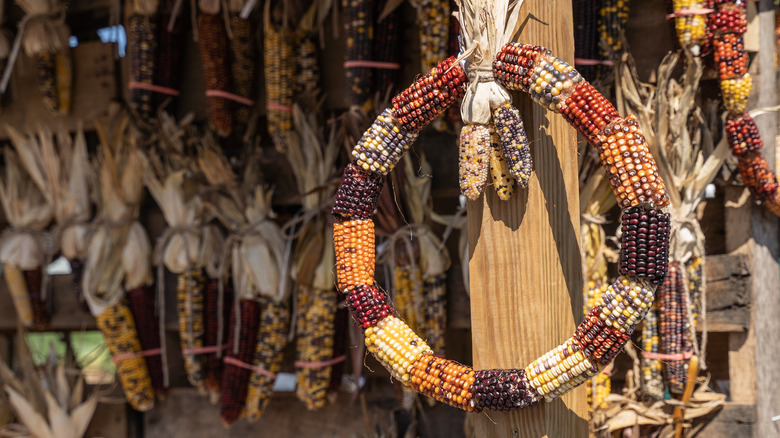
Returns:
(725, 21)
(214, 55)
(118, 328)
(236, 374)
(473, 159)
(561, 369)
(730, 56)
(735, 93)
(142, 305)
(407, 295)
(189, 295)
(268, 355)
(20, 294)
(359, 31)
(433, 24)
(314, 344)
(515, 63)
(40, 305)
(743, 135)
(307, 76)
(499, 171)
(354, 242)
(630, 165)
(64, 75)
(386, 48)
(695, 269)
(674, 327)
(358, 193)
(213, 361)
(585, 35)
(242, 65)
(396, 347)
(644, 248)
(598, 389)
(588, 111)
(758, 177)
(383, 144)
(435, 311)
(552, 81)
(502, 390)
(141, 48)
(612, 19)
(652, 382)
(691, 27)
(46, 67)
(514, 142)
(278, 44)
(168, 59)
(444, 380)
(368, 305)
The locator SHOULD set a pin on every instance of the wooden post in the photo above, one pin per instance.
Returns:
(525, 271)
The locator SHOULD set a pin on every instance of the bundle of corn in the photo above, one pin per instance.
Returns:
(386, 47)
(60, 167)
(313, 162)
(214, 55)
(49, 401)
(141, 49)
(25, 246)
(119, 254)
(278, 55)
(242, 62)
(178, 250)
(307, 70)
(168, 64)
(45, 38)
(359, 31)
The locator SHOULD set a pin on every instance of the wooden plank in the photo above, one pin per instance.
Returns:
(94, 88)
(728, 293)
(733, 420)
(525, 272)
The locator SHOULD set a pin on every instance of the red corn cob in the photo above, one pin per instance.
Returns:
(235, 379)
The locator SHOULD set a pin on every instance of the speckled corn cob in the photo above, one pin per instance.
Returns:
(735, 93)
(613, 16)
(515, 63)
(691, 29)
(168, 59)
(359, 31)
(368, 305)
(242, 66)
(644, 249)
(695, 269)
(473, 159)
(278, 54)
(307, 69)
(214, 56)
(358, 193)
(386, 48)
(407, 296)
(355, 248)
(514, 142)
(624, 304)
(435, 311)
(269, 354)
(758, 177)
(316, 309)
(673, 327)
(235, 379)
(142, 304)
(743, 135)
(598, 341)
(502, 390)
(630, 165)
(396, 347)
(46, 68)
(503, 183)
(588, 111)
(444, 380)
(141, 47)
(559, 370)
(552, 82)
(189, 299)
(383, 144)
(652, 382)
(434, 26)
(730, 56)
(428, 96)
(118, 329)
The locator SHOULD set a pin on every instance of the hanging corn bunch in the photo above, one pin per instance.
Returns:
(24, 246)
(45, 39)
(278, 55)
(119, 255)
(214, 55)
(141, 49)
(168, 56)
(242, 63)
(312, 159)
(359, 31)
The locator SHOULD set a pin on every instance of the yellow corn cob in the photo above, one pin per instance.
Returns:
(17, 286)
(271, 340)
(64, 69)
(354, 242)
(279, 82)
(316, 311)
(690, 28)
(118, 328)
(560, 369)
(190, 296)
(499, 171)
(736, 92)
(396, 347)
(407, 289)
(433, 23)
(598, 388)
(473, 159)
(46, 63)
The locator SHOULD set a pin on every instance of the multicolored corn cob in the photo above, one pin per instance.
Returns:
(644, 248)
(355, 249)
(444, 380)
(514, 64)
(359, 31)
(758, 177)
(396, 346)
(189, 306)
(695, 270)
(242, 66)
(588, 111)
(408, 295)
(561, 369)
(214, 55)
(731, 56)
(435, 311)
(552, 81)
(141, 48)
(502, 390)
(433, 24)
(358, 194)
(612, 19)
(473, 159)
(307, 74)
(503, 183)
(652, 382)
(314, 344)
(278, 55)
(674, 327)
(383, 144)
(118, 328)
(743, 135)
(736, 92)
(690, 23)
(514, 142)
(268, 355)
(236, 374)
(142, 304)
(368, 305)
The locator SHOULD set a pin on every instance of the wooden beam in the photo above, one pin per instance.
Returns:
(525, 271)
(729, 293)
(733, 420)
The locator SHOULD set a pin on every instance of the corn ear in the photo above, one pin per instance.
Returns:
(190, 310)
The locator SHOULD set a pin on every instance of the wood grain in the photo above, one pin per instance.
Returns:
(525, 279)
